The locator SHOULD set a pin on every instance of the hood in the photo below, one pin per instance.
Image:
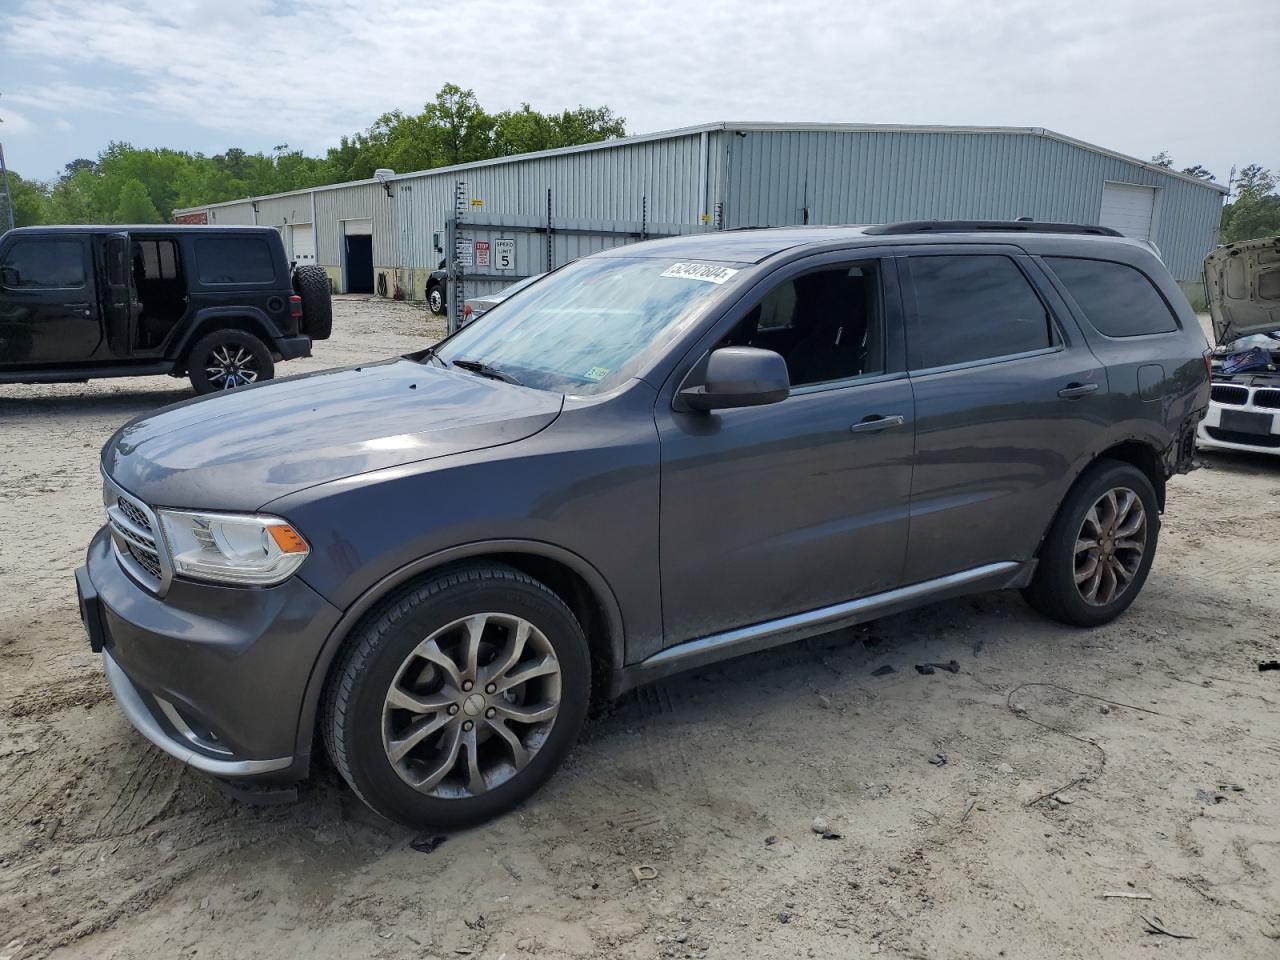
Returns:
(1242, 285)
(242, 449)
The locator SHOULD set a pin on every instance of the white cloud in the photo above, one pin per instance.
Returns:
(1112, 71)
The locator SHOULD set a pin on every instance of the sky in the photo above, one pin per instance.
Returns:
(1185, 76)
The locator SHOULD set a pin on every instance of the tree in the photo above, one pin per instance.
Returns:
(1199, 172)
(1162, 159)
(1255, 211)
(30, 202)
(136, 205)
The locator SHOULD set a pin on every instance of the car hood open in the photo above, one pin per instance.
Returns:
(1242, 286)
(244, 448)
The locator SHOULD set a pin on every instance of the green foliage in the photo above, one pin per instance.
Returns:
(128, 185)
(1199, 172)
(136, 205)
(28, 202)
(1255, 211)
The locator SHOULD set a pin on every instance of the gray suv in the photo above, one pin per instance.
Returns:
(654, 458)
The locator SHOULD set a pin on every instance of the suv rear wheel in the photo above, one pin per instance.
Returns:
(459, 698)
(227, 359)
(1100, 549)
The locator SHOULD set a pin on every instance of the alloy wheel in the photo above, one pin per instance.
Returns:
(471, 705)
(436, 299)
(231, 365)
(1110, 545)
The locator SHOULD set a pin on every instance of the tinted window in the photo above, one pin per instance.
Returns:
(1118, 300)
(975, 308)
(825, 324)
(44, 263)
(234, 260)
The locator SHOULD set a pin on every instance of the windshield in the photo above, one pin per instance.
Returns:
(587, 327)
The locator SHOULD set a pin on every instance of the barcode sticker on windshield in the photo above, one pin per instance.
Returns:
(709, 272)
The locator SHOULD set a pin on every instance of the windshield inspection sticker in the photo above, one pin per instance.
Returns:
(597, 373)
(709, 272)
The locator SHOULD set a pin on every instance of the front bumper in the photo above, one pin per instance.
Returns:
(212, 675)
(1212, 435)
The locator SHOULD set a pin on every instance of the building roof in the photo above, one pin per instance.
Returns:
(744, 127)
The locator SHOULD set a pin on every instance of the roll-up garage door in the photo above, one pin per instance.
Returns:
(303, 239)
(1128, 207)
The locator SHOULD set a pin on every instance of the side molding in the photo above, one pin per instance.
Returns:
(771, 633)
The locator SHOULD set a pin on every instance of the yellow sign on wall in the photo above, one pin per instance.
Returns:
(477, 202)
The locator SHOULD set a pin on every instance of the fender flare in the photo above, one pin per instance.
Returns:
(209, 318)
(337, 637)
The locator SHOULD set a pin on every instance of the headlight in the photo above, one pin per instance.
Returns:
(232, 548)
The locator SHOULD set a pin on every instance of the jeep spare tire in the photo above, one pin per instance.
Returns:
(312, 284)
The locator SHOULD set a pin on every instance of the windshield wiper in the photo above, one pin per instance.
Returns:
(482, 368)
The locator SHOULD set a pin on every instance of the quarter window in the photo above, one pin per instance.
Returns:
(826, 324)
(49, 264)
(975, 308)
(234, 260)
(1117, 299)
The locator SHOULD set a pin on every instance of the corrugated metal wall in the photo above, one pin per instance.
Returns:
(761, 178)
(357, 202)
(233, 214)
(877, 177)
(292, 208)
(601, 185)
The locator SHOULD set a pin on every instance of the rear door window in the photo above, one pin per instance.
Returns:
(975, 307)
(1117, 299)
(234, 260)
(43, 264)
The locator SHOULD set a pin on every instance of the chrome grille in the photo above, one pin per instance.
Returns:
(1269, 398)
(134, 537)
(1229, 393)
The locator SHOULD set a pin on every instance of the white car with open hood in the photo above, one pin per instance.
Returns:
(1242, 284)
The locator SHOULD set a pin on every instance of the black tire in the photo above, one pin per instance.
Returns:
(375, 658)
(311, 283)
(1054, 591)
(212, 351)
(436, 300)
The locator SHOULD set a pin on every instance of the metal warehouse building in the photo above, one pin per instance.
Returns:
(517, 216)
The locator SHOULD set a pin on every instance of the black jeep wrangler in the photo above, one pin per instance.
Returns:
(218, 304)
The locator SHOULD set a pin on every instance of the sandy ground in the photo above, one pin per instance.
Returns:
(1158, 735)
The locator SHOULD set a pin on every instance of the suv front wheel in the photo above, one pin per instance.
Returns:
(227, 359)
(1099, 551)
(459, 698)
(435, 300)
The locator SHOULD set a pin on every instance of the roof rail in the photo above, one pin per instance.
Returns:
(989, 226)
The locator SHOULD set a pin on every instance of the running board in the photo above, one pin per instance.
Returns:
(760, 636)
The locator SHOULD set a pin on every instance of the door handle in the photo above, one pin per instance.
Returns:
(1073, 390)
(876, 423)
(84, 307)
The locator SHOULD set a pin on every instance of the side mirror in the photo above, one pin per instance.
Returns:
(740, 377)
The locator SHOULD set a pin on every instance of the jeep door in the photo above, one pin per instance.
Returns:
(785, 508)
(1008, 396)
(49, 311)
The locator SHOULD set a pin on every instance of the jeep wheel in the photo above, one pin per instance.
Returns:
(228, 359)
(312, 284)
(435, 300)
(1100, 548)
(458, 698)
